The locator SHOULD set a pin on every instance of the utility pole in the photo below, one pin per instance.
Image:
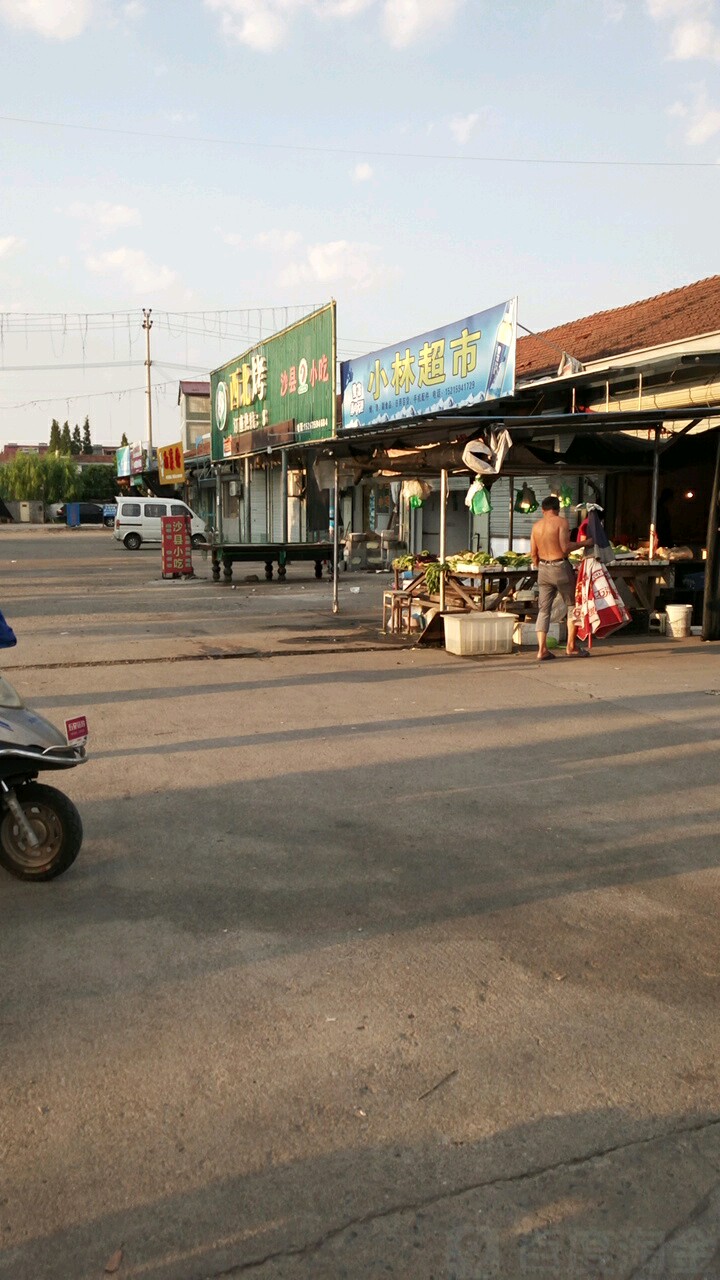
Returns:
(147, 326)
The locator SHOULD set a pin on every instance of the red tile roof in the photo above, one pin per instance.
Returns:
(668, 317)
(194, 389)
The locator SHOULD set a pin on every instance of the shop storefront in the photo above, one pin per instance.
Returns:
(270, 406)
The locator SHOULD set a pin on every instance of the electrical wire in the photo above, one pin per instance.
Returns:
(86, 395)
(300, 148)
(51, 368)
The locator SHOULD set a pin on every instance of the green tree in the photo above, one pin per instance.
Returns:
(124, 441)
(76, 443)
(66, 440)
(30, 478)
(61, 480)
(86, 440)
(55, 436)
(99, 483)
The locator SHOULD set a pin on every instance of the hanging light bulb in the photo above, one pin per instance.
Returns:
(526, 502)
(563, 493)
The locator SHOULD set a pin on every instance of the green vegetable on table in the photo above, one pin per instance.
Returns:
(478, 558)
(514, 560)
(433, 574)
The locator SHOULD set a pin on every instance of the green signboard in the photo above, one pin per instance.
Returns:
(280, 391)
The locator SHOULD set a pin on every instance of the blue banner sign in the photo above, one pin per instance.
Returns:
(463, 364)
(122, 460)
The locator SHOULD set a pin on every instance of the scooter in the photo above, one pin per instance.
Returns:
(40, 829)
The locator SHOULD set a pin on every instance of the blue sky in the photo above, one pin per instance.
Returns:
(463, 97)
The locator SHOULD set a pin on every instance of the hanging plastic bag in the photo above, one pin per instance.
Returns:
(481, 504)
(477, 499)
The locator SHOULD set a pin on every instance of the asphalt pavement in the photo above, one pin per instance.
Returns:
(375, 961)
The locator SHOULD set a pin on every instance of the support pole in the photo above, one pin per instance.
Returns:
(336, 538)
(268, 502)
(654, 498)
(247, 521)
(147, 325)
(711, 602)
(284, 496)
(218, 504)
(511, 520)
(443, 532)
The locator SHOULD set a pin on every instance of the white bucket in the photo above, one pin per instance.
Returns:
(678, 620)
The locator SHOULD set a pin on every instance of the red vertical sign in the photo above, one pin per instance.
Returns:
(176, 547)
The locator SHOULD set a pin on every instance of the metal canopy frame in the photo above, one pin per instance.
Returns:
(450, 427)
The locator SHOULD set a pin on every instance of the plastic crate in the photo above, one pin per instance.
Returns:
(467, 634)
(526, 633)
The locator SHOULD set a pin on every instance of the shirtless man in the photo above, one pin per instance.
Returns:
(549, 548)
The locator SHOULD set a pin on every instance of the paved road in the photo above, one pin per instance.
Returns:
(373, 963)
(75, 594)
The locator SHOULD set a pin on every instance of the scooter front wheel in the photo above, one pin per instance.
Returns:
(57, 825)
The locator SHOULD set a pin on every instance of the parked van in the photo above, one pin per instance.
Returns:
(138, 520)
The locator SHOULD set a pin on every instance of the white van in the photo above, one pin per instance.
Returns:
(138, 520)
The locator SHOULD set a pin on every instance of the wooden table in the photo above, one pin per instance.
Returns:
(225, 554)
(489, 586)
(642, 578)
(473, 595)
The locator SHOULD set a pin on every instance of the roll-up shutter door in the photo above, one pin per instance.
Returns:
(258, 506)
(276, 504)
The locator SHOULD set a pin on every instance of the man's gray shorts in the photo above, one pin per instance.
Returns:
(554, 580)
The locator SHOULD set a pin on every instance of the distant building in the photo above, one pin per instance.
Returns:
(194, 401)
(102, 454)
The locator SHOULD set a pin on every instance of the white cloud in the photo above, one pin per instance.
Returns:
(264, 24)
(233, 239)
(695, 39)
(407, 20)
(260, 24)
(54, 19)
(703, 127)
(666, 9)
(463, 127)
(180, 117)
(133, 268)
(694, 27)
(335, 263)
(103, 217)
(362, 172)
(133, 10)
(9, 244)
(702, 118)
(280, 241)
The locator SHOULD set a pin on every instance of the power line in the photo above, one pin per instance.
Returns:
(51, 368)
(365, 151)
(85, 395)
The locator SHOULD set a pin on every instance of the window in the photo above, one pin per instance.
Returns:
(130, 509)
(155, 509)
(178, 509)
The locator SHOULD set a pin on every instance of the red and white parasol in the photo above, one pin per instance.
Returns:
(598, 608)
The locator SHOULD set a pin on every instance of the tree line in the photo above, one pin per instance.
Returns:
(55, 476)
(67, 443)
